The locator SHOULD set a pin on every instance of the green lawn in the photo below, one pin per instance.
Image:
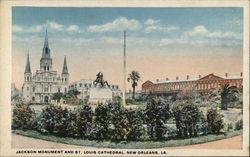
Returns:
(128, 145)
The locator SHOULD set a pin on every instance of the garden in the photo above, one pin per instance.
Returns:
(159, 123)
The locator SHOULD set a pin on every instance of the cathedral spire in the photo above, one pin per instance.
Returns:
(27, 68)
(65, 68)
(46, 40)
(46, 49)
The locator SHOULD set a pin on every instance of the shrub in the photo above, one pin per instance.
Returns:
(119, 122)
(55, 119)
(189, 119)
(157, 112)
(101, 122)
(215, 121)
(114, 122)
(23, 117)
(135, 123)
(84, 116)
(239, 125)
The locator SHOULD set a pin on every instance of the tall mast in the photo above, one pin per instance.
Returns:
(124, 70)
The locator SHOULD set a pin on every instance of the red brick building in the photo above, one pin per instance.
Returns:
(200, 84)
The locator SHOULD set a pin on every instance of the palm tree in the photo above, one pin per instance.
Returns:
(134, 77)
(228, 94)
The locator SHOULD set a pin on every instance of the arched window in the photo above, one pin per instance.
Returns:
(33, 98)
(48, 68)
(45, 68)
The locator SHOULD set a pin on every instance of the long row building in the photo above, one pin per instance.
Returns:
(201, 84)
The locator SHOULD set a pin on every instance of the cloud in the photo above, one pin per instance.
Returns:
(119, 24)
(220, 34)
(201, 31)
(153, 28)
(16, 28)
(198, 30)
(50, 25)
(151, 21)
(55, 26)
(74, 28)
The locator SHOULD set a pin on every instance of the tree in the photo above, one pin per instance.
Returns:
(84, 116)
(134, 77)
(187, 117)
(228, 94)
(71, 96)
(156, 114)
(23, 117)
(57, 96)
(215, 121)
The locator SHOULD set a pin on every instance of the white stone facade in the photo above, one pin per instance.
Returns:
(40, 87)
(95, 94)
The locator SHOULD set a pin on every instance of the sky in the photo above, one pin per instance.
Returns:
(161, 42)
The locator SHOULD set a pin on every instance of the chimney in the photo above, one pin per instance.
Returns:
(177, 78)
(187, 77)
(157, 80)
(226, 74)
(166, 79)
(241, 74)
(199, 76)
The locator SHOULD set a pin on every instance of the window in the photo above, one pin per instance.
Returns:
(33, 98)
(80, 84)
(65, 79)
(44, 67)
(89, 85)
(59, 90)
(65, 90)
(85, 85)
(27, 88)
(34, 89)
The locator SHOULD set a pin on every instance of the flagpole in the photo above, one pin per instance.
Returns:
(124, 71)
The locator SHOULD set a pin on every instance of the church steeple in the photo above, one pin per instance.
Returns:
(65, 68)
(46, 60)
(46, 49)
(27, 72)
(65, 73)
(27, 68)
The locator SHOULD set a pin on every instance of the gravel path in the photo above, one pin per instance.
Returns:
(22, 142)
(229, 143)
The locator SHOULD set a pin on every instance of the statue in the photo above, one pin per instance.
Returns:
(99, 80)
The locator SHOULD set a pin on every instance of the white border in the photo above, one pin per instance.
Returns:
(5, 62)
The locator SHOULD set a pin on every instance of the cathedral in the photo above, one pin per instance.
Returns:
(40, 87)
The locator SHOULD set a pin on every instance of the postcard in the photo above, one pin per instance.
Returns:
(124, 78)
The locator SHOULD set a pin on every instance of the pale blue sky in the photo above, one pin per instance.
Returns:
(89, 34)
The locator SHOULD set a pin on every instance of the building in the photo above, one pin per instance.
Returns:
(201, 84)
(95, 94)
(15, 93)
(40, 87)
